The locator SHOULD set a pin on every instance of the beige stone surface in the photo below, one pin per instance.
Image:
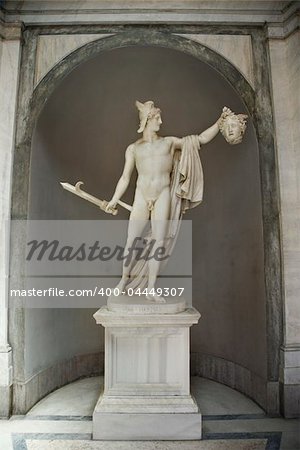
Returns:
(9, 66)
(236, 49)
(285, 65)
(53, 48)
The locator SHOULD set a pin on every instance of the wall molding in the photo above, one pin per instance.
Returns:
(165, 11)
(26, 394)
(265, 393)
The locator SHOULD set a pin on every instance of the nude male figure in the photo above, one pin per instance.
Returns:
(152, 155)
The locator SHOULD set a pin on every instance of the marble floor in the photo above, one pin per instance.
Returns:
(231, 421)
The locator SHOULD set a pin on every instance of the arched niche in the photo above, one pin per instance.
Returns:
(190, 83)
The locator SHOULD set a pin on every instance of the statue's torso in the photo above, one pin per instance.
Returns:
(154, 162)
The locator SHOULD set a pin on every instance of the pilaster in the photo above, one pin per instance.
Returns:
(10, 43)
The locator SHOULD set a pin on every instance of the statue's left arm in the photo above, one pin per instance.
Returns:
(209, 134)
(205, 137)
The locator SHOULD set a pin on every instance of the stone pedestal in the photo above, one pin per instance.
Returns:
(147, 378)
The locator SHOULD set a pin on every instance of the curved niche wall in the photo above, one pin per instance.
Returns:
(82, 133)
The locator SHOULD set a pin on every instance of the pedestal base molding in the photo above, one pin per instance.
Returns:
(172, 424)
(147, 378)
(290, 381)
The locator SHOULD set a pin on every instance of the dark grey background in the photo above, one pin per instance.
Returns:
(82, 134)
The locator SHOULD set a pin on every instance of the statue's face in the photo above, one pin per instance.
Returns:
(155, 122)
(232, 130)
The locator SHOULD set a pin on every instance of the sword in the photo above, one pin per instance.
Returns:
(90, 198)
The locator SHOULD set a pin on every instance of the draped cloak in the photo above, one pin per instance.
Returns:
(186, 187)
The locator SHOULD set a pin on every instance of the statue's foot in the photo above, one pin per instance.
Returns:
(155, 298)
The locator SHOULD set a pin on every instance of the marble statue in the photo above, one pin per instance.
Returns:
(232, 126)
(170, 181)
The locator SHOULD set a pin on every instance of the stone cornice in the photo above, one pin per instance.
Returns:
(93, 5)
(10, 31)
(280, 18)
(150, 12)
(290, 24)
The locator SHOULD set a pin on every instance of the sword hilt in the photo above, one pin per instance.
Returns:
(112, 211)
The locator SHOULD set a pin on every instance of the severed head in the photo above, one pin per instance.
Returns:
(232, 126)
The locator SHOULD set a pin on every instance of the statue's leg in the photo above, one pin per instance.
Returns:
(159, 226)
(137, 221)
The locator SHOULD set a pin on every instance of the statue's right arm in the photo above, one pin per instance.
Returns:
(176, 142)
(125, 177)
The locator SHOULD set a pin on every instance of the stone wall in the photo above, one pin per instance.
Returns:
(9, 75)
(285, 64)
(208, 23)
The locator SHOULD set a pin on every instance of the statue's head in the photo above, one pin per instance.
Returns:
(232, 126)
(148, 113)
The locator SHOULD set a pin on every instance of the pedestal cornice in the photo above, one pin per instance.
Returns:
(113, 319)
